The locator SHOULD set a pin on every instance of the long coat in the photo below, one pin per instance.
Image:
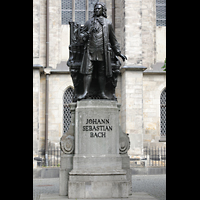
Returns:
(109, 41)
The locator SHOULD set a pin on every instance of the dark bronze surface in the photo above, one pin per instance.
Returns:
(93, 61)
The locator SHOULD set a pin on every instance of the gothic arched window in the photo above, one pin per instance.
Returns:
(163, 114)
(67, 99)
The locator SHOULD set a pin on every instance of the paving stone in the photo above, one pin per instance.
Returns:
(153, 185)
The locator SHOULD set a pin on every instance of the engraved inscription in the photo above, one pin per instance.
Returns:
(97, 131)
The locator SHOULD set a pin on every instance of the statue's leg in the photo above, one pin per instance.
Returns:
(87, 78)
(102, 80)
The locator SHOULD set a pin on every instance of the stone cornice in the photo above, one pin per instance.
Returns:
(132, 68)
(152, 72)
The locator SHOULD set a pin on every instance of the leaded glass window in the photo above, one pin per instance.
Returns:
(77, 10)
(67, 99)
(66, 6)
(80, 9)
(163, 113)
(160, 12)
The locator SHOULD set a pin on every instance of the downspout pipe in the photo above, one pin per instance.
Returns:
(47, 34)
(47, 83)
(113, 14)
(46, 118)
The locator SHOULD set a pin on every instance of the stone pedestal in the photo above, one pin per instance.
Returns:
(66, 167)
(97, 165)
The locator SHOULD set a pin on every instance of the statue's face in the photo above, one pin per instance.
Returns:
(98, 10)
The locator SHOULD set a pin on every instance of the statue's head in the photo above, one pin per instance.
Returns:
(100, 10)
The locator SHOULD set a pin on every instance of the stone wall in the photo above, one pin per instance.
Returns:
(133, 32)
(36, 99)
(160, 43)
(118, 94)
(36, 28)
(140, 110)
(153, 85)
(148, 33)
(42, 111)
(120, 24)
(39, 32)
(140, 32)
(58, 83)
(132, 107)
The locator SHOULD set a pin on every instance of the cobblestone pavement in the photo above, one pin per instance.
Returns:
(46, 186)
(154, 185)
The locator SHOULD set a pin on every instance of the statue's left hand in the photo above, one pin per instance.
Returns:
(123, 57)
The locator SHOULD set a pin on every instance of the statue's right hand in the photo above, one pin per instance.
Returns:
(123, 57)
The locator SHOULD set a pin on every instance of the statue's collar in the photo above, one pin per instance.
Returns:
(99, 19)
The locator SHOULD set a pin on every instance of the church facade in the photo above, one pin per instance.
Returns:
(140, 28)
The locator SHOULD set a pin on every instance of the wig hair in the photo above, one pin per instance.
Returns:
(103, 7)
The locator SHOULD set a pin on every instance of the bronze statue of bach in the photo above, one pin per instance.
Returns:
(99, 38)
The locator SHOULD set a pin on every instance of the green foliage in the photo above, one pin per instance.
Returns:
(164, 66)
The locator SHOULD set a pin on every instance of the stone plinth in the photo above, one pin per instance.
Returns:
(97, 165)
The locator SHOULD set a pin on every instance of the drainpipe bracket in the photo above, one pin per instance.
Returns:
(47, 70)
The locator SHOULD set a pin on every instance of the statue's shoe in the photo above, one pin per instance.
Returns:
(83, 96)
(103, 96)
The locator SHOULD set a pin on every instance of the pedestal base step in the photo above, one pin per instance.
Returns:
(98, 189)
(134, 196)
